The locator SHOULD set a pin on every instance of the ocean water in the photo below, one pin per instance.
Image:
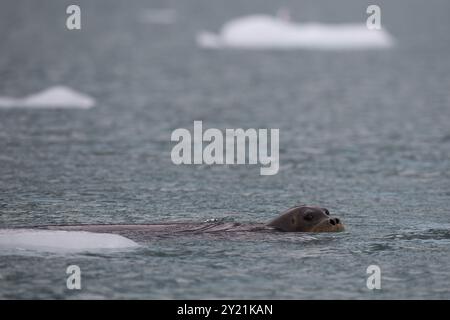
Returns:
(364, 133)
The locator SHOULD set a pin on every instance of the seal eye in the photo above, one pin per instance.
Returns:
(326, 211)
(308, 217)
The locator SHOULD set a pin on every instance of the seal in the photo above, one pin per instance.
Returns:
(296, 219)
(306, 219)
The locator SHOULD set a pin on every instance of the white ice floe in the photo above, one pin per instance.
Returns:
(58, 97)
(270, 32)
(60, 241)
(158, 16)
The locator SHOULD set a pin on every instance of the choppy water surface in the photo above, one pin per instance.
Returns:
(363, 133)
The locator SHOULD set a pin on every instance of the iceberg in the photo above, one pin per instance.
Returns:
(271, 32)
(58, 97)
(60, 241)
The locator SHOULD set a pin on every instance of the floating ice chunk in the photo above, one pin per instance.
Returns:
(7, 102)
(61, 241)
(158, 16)
(57, 97)
(269, 32)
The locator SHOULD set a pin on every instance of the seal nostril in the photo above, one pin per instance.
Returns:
(338, 221)
(332, 222)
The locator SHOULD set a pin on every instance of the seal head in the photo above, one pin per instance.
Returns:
(307, 219)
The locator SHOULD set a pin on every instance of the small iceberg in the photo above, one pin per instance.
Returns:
(158, 16)
(13, 240)
(271, 32)
(58, 97)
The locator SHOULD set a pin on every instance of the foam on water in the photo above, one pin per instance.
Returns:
(269, 32)
(56, 97)
(61, 241)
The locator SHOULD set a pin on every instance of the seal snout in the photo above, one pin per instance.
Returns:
(334, 225)
(334, 221)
